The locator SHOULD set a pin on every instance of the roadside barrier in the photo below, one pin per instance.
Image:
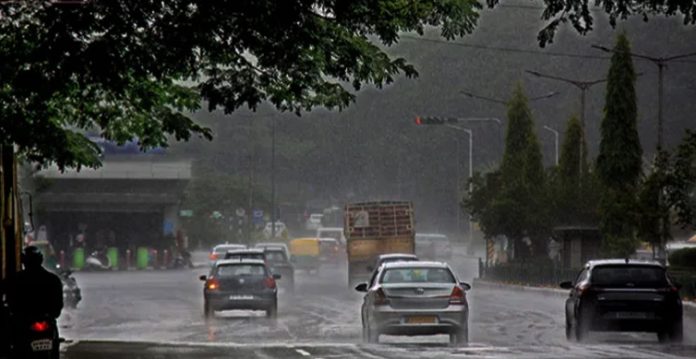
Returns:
(61, 259)
(78, 258)
(112, 254)
(142, 258)
(128, 259)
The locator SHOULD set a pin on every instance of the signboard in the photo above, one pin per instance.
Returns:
(258, 216)
(186, 213)
(361, 219)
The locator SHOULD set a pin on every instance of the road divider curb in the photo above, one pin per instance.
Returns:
(689, 307)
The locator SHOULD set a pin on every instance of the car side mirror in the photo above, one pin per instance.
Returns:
(370, 268)
(203, 278)
(276, 276)
(465, 285)
(566, 285)
(362, 287)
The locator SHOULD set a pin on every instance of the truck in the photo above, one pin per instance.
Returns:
(374, 228)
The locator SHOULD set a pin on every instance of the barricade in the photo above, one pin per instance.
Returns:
(142, 258)
(78, 261)
(112, 254)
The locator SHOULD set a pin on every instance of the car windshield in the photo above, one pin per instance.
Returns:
(234, 270)
(624, 276)
(417, 275)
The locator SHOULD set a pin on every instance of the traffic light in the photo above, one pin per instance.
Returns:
(434, 120)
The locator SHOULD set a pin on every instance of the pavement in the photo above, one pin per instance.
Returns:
(159, 314)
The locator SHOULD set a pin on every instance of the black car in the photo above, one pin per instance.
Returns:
(623, 295)
(240, 284)
(279, 263)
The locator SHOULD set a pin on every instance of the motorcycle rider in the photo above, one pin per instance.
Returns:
(33, 294)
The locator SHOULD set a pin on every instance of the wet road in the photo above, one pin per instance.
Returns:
(321, 320)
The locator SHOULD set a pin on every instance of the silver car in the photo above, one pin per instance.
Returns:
(415, 298)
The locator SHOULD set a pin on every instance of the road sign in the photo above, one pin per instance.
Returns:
(257, 216)
(240, 212)
(186, 213)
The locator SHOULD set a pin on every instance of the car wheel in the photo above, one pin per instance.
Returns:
(272, 312)
(673, 334)
(207, 310)
(582, 327)
(370, 333)
(569, 329)
(459, 338)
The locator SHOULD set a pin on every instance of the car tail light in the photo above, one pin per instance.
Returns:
(213, 256)
(40, 326)
(380, 297)
(670, 289)
(457, 296)
(584, 289)
(269, 282)
(212, 284)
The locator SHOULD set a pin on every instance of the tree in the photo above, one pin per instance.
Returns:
(620, 154)
(513, 203)
(131, 69)
(682, 192)
(574, 195)
(581, 16)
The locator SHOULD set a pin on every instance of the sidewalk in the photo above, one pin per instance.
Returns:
(689, 307)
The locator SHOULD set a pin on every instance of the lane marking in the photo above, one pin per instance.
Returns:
(303, 352)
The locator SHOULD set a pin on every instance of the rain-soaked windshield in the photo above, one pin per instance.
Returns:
(522, 144)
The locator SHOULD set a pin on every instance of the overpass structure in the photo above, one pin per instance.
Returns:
(128, 202)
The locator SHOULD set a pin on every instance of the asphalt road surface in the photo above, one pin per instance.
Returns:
(159, 314)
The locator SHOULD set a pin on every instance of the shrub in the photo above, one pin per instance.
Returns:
(683, 258)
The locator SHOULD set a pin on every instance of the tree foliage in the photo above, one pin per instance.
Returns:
(575, 194)
(512, 203)
(580, 14)
(131, 69)
(620, 154)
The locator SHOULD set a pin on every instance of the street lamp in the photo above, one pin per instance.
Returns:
(471, 175)
(555, 133)
(583, 86)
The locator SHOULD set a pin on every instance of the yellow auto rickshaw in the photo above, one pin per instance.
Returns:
(305, 253)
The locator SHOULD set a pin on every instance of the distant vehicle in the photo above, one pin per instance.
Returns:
(332, 232)
(415, 298)
(278, 262)
(314, 222)
(281, 231)
(392, 257)
(329, 251)
(219, 251)
(375, 228)
(240, 284)
(264, 245)
(432, 246)
(239, 254)
(623, 295)
(305, 253)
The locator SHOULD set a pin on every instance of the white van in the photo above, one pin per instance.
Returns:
(433, 246)
(332, 232)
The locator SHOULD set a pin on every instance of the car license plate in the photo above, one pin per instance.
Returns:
(241, 297)
(631, 315)
(421, 319)
(41, 345)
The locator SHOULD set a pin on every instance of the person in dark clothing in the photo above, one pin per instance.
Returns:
(33, 294)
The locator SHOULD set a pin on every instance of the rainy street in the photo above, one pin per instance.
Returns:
(159, 314)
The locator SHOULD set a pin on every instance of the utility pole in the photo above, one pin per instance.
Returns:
(555, 133)
(273, 184)
(583, 86)
(661, 63)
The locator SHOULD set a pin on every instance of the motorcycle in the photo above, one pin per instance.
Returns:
(37, 339)
(71, 292)
(97, 260)
(181, 260)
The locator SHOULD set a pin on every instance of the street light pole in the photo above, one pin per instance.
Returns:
(555, 133)
(583, 86)
(471, 174)
(273, 185)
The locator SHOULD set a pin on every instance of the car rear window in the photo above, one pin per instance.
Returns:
(417, 275)
(276, 256)
(226, 248)
(626, 276)
(244, 256)
(234, 270)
